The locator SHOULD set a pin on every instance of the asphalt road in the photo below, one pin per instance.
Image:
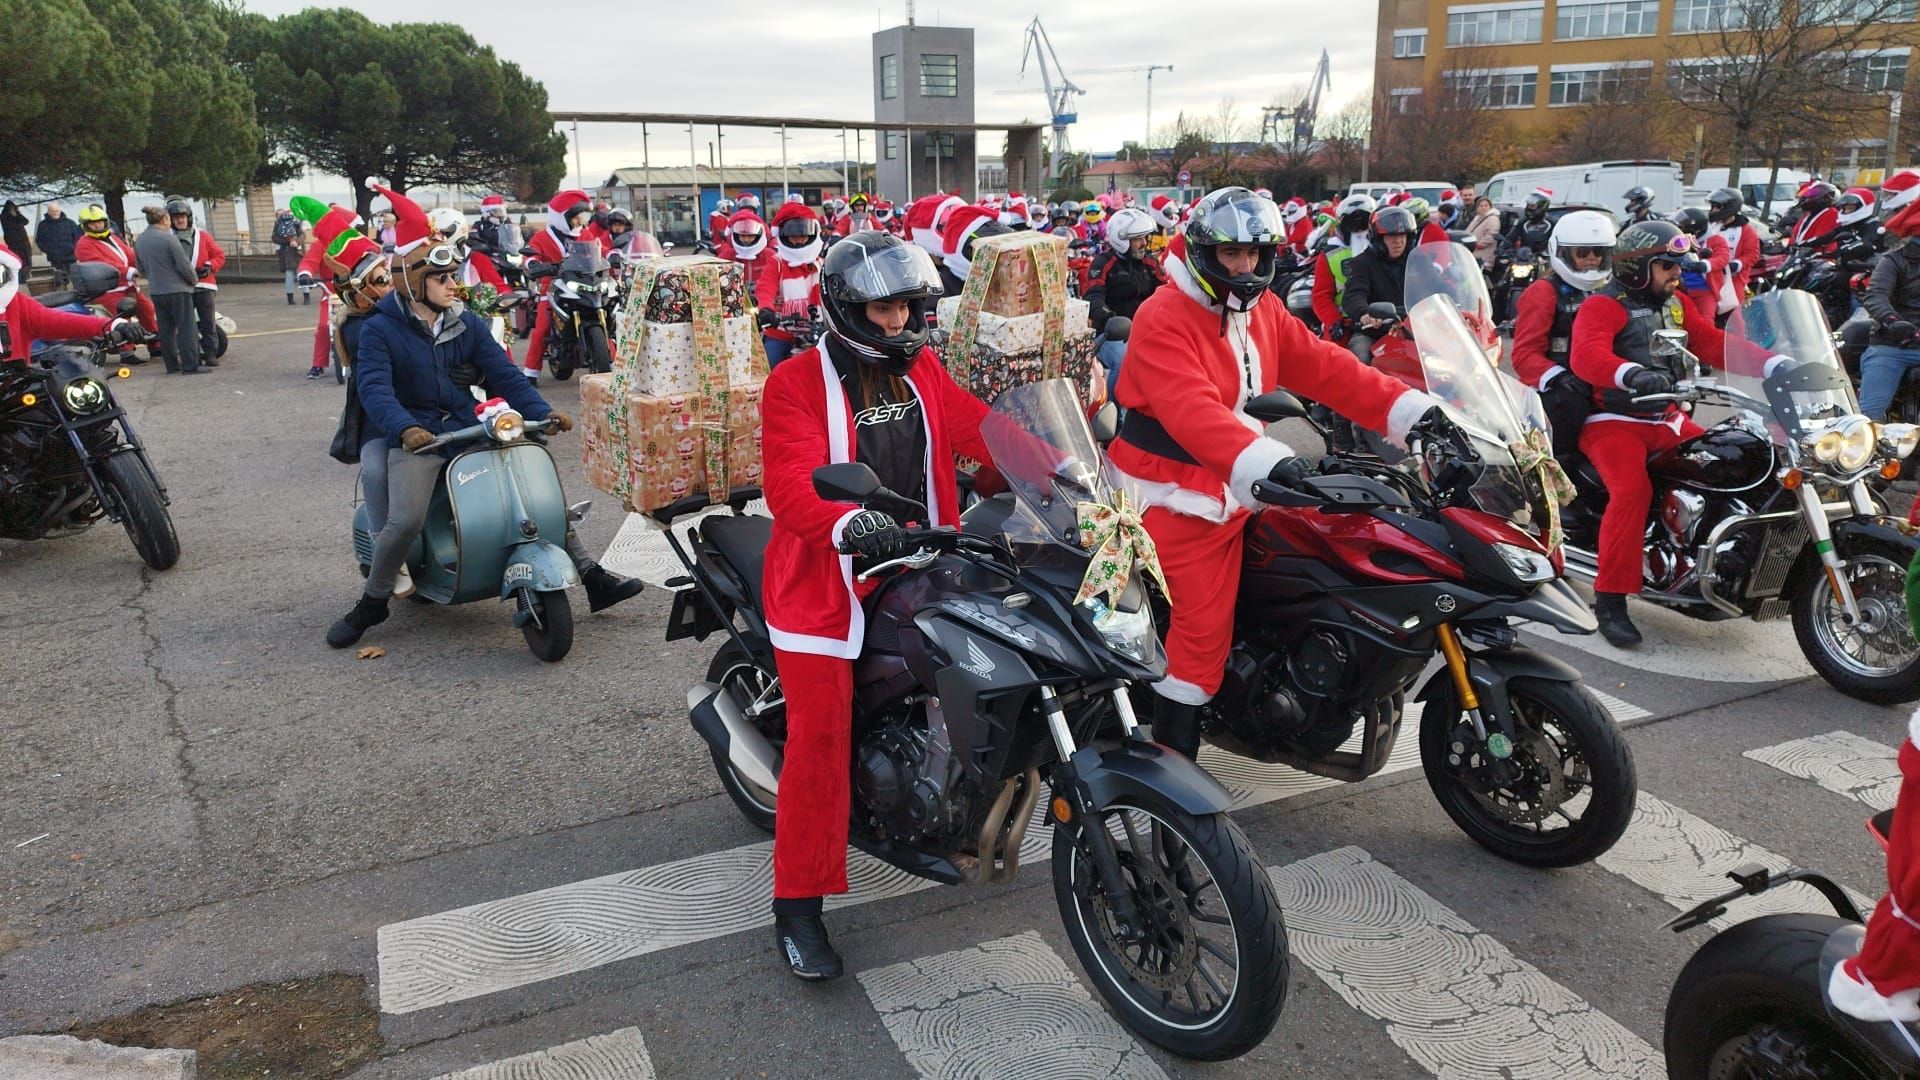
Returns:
(197, 794)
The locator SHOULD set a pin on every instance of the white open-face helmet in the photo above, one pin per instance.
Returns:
(1582, 229)
(447, 221)
(1127, 225)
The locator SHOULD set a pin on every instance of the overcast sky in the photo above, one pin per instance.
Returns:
(814, 59)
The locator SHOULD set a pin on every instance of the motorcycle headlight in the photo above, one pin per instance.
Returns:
(506, 426)
(1826, 446)
(1128, 628)
(1856, 445)
(84, 395)
(1529, 566)
(1900, 440)
(1521, 270)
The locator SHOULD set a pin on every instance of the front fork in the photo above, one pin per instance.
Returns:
(1498, 745)
(1820, 531)
(1079, 806)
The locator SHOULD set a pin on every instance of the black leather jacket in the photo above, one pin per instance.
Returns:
(1893, 294)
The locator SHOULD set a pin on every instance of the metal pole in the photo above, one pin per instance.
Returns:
(720, 137)
(846, 166)
(862, 155)
(578, 172)
(785, 188)
(1148, 141)
(646, 173)
(693, 159)
(906, 138)
(1893, 132)
(933, 145)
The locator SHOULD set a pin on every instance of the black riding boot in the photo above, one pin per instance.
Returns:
(369, 612)
(1177, 726)
(802, 938)
(1615, 626)
(606, 588)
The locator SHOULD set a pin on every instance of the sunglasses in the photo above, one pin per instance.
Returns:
(440, 275)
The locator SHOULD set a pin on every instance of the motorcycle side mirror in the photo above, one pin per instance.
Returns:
(666, 246)
(1277, 405)
(848, 481)
(1106, 423)
(1464, 238)
(1669, 342)
(126, 307)
(1383, 309)
(1119, 327)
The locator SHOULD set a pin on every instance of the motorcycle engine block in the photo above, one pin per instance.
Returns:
(890, 783)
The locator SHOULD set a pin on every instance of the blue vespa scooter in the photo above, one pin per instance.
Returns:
(496, 528)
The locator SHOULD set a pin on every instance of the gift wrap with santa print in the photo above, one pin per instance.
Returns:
(1021, 276)
(602, 416)
(666, 362)
(1018, 333)
(668, 439)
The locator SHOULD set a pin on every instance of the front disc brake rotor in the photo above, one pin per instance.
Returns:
(1169, 934)
(1540, 789)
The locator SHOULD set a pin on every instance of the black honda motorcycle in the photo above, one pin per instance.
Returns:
(69, 455)
(1770, 511)
(984, 689)
(582, 297)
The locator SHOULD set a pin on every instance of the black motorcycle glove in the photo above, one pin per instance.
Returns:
(1568, 382)
(1289, 471)
(767, 317)
(1901, 331)
(875, 536)
(125, 332)
(1643, 381)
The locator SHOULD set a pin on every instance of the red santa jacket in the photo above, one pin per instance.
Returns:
(1326, 300)
(1815, 226)
(1744, 242)
(479, 270)
(550, 247)
(1717, 256)
(207, 253)
(788, 290)
(1433, 233)
(1533, 317)
(849, 223)
(1298, 233)
(805, 423)
(28, 320)
(313, 263)
(1600, 321)
(1195, 381)
(109, 249)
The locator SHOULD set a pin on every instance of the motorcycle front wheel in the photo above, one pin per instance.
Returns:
(593, 347)
(563, 355)
(1207, 977)
(143, 513)
(550, 635)
(1574, 793)
(1874, 660)
(1749, 1004)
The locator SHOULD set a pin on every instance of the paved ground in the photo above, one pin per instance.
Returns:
(198, 794)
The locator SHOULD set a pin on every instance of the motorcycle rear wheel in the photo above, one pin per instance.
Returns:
(550, 638)
(143, 513)
(1568, 741)
(1227, 903)
(756, 804)
(1753, 993)
(1879, 662)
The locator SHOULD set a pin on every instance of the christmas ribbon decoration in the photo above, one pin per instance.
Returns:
(1117, 539)
(1534, 453)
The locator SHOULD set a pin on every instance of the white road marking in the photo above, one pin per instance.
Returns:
(1684, 860)
(501, 944)
(1841, 762)
(617, 1055)
(640, 548)
(1009, 1007)
(1732, 650)
(1455, 999)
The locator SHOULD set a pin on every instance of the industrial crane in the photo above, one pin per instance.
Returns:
(1059, 97)
(1149, 69)
(1304, 114)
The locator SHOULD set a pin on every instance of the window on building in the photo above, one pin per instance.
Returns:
(1696, 80)
(1513, 88)
(939, 144)
(1401, 98)
(890, 76)
(1620, 18)
(1409, 43)
(1690, 16)
(1493, 24)
(893, 145)
(939, 75)
(1584, 84)
(1853, 11)
(1879, 72)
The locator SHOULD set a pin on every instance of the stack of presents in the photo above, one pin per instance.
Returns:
(679, 415)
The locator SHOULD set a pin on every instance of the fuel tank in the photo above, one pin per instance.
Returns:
(1727, 457)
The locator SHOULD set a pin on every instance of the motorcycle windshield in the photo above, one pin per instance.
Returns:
(1041, 445)
(1780, 354)
(1450, 270)
(584, 261)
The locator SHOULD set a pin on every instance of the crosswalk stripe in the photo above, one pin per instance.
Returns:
(1009, 1007)
(1453, 997)
(1841, 762)
(617, 1055)
(501, 944)
(1684, 860)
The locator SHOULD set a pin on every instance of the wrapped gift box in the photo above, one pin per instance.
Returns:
(1019, 333)
(1023, 269)
(671, 298)
(676, 440)
(992, 372)
(602, 416)
(665, 361)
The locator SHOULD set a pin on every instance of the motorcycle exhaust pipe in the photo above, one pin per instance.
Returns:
(718, 719)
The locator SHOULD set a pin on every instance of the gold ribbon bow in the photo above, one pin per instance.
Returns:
(1117, 539)
(1534, 453)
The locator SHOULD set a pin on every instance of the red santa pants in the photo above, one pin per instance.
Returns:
(537, 341)
(323, 332)
(145, 314)
(810, 826)
(1619, 450)
(1201, 560)
(1889, 959)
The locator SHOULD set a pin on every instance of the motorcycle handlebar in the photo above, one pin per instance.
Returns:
(473, 431)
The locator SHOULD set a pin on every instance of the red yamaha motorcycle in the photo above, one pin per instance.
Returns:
(1353, 580)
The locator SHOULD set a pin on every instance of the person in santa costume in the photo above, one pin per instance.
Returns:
(962, 228)
(1882, 982)
(98, 243)
(1188, 452)
(873, 391)
(1817, 216)
(717, 219)
(1727, 220)
(884, 218)
(24, 320)
(1299, 225)
(790, 285)
(569, 217)
(857, 217)
(747, 244)
(207, 258)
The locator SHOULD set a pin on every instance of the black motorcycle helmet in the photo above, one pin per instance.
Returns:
(1644, 243)
(1817, 195)
(874, 265)
(178, 205)
(619, 216)
(799, 231)
(90, 280)
(1639, 199)
(1233, 215)
(1535, 208)
(1691, 219)
(1724, 205)
(1394, 221)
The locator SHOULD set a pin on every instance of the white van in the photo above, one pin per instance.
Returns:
(1597, 183)
(1753, 185)
(1426, 189)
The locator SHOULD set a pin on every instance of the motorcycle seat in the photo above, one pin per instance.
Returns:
(742, 541)
(58, 298)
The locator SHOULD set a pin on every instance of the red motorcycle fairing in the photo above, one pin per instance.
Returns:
(1362, 542)
(1395, 354)
(1494, 529)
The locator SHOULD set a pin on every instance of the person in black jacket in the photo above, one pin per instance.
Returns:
(1893, 300)
(1377, 274)
(1123, 274)
(56, 235)
(13, 227)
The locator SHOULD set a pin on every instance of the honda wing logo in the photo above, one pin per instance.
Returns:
(977, 662)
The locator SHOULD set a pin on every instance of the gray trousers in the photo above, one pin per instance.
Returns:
(410, 481)
(178, 334)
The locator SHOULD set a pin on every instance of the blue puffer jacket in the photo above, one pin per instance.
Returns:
(406, 377)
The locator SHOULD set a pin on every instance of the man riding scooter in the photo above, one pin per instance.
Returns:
(420, 353)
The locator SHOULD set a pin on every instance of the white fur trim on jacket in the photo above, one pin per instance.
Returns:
(1620, 375)
(1857, 999)
(1256, 462)
(1144, 493)
(1407, 410)
(1913, 727)
(1181, 691)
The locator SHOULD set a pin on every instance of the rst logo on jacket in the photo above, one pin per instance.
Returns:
(884, 413)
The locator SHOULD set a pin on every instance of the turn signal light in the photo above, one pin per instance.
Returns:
(1062, 812)
(124, 373)
(1790, 478)
(1891, 470)
(29, 400)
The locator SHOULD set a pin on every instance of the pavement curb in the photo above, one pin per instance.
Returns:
(63, 1057)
